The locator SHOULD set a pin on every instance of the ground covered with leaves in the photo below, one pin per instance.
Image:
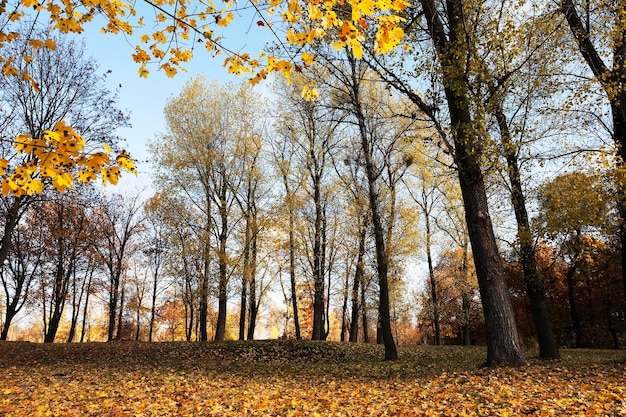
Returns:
(289, 378)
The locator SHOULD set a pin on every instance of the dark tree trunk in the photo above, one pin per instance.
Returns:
(243, 307)
(384, 315)
(86, 308)
(292, 275)
(220, 331)
(503, 346)
(548, 348)
(113, 299)
(502, 338)
(203, 305)
(433, 284)
(120, 319)
(12, 217)
(153, 305)
(573, 310)
(364, 321)
(359, 278)
(318, 266)
(345, 325)
(253, 302)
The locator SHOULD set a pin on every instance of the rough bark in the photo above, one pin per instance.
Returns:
(359, 277)
(548, 348)
(503, 346)
(382, 258)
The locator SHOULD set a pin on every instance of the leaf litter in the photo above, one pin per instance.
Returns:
(299, 378)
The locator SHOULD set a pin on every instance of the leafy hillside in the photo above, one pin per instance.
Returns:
(289, 378)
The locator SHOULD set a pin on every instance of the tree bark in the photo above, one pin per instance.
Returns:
(382, 258)
(318, 265)
(503, 346)
(433, 283)
(359, 277)
(548, 348)
(253, 302)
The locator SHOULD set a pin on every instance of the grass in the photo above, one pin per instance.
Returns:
(299, 378)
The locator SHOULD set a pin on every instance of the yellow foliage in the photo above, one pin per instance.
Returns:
(55, 157)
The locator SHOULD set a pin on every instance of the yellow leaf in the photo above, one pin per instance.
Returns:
(143, 72)
(51, 45)
(4, 164)
(309, 93)
(86, 176)
(63, 181)
(308, 58)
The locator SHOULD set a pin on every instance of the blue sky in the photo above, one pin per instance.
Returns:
(145, 98)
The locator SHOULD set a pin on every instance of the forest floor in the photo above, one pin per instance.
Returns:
(289, 378)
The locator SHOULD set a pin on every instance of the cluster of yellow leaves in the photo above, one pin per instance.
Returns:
(165, 379)
(58, 158)
(180, 24)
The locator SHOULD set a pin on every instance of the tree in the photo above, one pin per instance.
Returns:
(69, 255)
(460, 125)
(311, 127)
(283, 160)
(384, 161)
(198, 159)
(69, 88)
(49, 108)
(573, 205)
(155, 251)
(118, 227)
(19, 271)
(600, 37)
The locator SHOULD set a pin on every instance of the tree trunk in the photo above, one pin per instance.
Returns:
(120, 319)
(292, 276)
(503, 346)
(433, 284)
(253, 302)
(573, 311)
(12, 217)
(345, 325)
(86, 308)
(548, 348)
(382, 259)
(318, 266)
(243, 307)
(220, 331)
(153, 305)
(112, 305)
(364, 320)
(359, 278)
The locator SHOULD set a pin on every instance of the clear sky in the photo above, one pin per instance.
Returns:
(145, 98)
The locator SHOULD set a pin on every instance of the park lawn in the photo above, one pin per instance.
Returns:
(289, 378)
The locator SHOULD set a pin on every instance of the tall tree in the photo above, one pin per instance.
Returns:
(118, 228)
(155, 251)
(197, 159)
(573, 205)
(312, 127)
(70, 88)
(22, 264)
(599, 30)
